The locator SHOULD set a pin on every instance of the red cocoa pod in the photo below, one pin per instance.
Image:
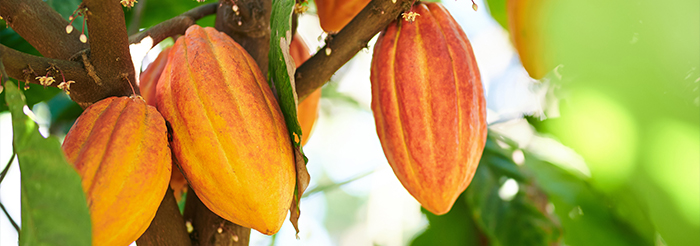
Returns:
(149, 78)
(307, 110)
(228, 132)
(429, 106)
(119, 146)
(335, 14)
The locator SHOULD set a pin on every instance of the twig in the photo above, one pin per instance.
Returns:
(321, 188)
(354, 37)
(7, 167)
(14, 224)
(15, 62)
(176, 25)
(42, 27)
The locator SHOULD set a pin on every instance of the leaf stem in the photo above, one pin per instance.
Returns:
(14, 224)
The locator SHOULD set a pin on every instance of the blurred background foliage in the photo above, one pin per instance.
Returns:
(628, 77)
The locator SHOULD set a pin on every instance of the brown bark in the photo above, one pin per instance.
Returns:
(168, 227)
(209, 228)
(250, 27)
(42, 27)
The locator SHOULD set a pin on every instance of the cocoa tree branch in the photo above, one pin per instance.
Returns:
(26, 67)
(109, 48)
(176, 25)
(343, 46)
(249, 26)
(209, 228)
(168, 227)
(42, 27)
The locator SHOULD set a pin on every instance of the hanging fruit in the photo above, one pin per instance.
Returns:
(429, 105)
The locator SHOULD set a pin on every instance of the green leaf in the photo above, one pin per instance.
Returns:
(583, 211)
(498, 11)
(456, 228)
(281, 79)
(54, 208)
(518, 220)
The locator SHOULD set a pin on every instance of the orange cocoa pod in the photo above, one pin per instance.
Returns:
(335, 14)
(228, 132)
(119, 146)
(307, 110)
(429, 106)
(149, 78)
(148, 81)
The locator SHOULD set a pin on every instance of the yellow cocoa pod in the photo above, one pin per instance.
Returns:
(228, 132)
(528, 25)
(307, 111)
(335, 14)
(429, 106)
(119, 146)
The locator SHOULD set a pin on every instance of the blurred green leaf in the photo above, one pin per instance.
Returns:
(518, 220)
(54, 208)
(64, 7)
(498, 11)
(584, 211)
(454, 228)
(157, 11)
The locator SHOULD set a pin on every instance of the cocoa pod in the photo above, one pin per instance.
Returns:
(228, 132)
(149, 78)
(307, 110)
(119, 146)
(429, 106)
(335, 14)
(528, 22)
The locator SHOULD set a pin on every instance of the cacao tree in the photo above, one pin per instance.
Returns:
(207, 142)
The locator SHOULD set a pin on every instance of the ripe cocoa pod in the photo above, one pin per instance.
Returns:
(429, 106)
(149, 78)
(307, 110)
(335, 14)
(527, 24)
(148, 81)
(119, 146)
(228, 132)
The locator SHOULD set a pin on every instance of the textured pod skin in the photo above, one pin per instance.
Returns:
(149, 78)
(119, 146)
(335, 14)
(527, 24)
(429, 106)
(307, 111)
(229, 134)
(148, 82)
